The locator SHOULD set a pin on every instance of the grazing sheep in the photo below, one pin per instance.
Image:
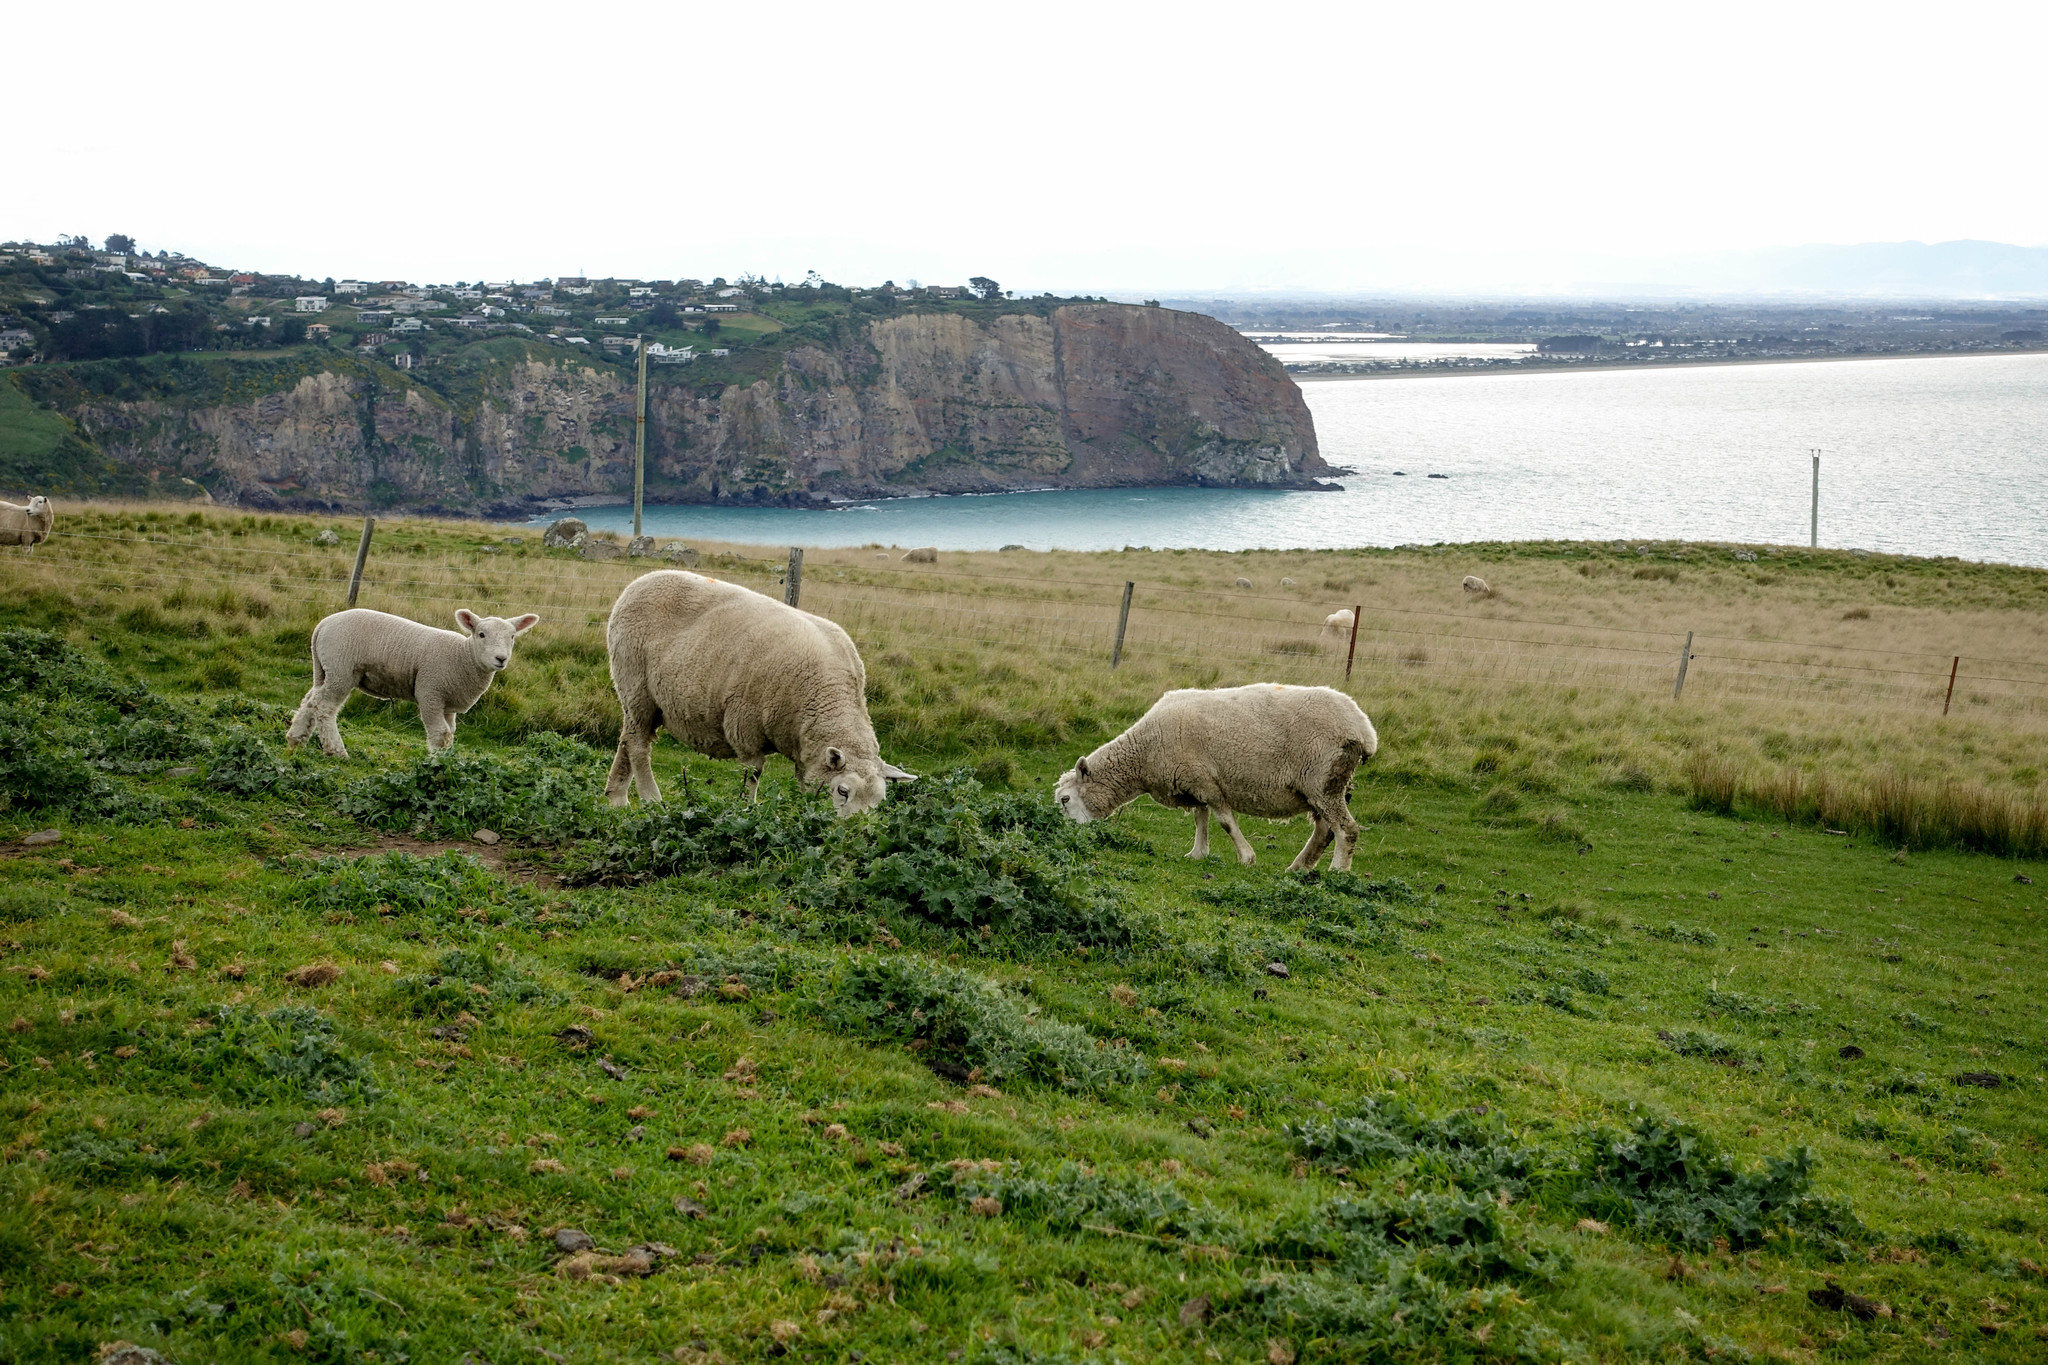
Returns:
(444, 671)
(733, 674)
(1244, 583)
(928, 555)
(1337, 623)
(1287, 583)
(28, 525)
(1475, 584)
(1266, 749)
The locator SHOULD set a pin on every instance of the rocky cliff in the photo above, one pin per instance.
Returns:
(1075, 396)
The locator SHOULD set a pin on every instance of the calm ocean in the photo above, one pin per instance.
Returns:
(1921, 456)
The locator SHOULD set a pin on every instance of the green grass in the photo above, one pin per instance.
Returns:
(1408, 1122)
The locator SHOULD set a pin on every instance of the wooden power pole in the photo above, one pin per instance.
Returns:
(640, 438)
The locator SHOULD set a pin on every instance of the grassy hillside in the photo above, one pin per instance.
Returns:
(1573, 1069)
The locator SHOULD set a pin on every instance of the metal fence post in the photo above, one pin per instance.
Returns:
(355, 579)
(1123, 618)
(1684, 658)
(1352, 652)
(793, 581)
(1951, 684)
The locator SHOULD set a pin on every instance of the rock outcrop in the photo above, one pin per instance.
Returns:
(1078, 396)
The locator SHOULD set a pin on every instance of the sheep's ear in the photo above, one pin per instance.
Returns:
(522, 624)
(896, 774)
(1081, 766)
(834, 760)
(467, 619)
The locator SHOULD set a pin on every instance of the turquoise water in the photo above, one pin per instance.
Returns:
(1932, 456)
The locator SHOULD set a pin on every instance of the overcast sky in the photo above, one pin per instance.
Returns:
(1098, 146)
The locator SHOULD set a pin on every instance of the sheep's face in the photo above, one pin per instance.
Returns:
(491, 637)
(38, 505)
(1071, 791)
(858, 784)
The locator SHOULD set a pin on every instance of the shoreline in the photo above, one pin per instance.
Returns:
(1665, 366)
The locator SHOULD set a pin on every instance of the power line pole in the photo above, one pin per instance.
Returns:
(640, 437)
(1815, 540)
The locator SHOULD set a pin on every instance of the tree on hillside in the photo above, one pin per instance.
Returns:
(985, 288)
(120, 244)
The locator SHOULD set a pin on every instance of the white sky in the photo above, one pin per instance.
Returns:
(1099, 146)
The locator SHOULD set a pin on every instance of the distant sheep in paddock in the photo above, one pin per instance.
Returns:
(28, 525)
(928, 555)
(1337, 624)
(1244, 583)
(444, 672)
(735, 674)
(1267, 750)
(1475, 585)
(1287, 583)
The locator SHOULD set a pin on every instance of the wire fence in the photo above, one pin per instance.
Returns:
(1201, 633)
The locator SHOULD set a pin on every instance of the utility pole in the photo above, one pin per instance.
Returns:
(640, 437)
(1815, 541)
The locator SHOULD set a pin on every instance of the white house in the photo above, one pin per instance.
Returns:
(351, 287)
(721, 308)
(731, 292)
(407, 325)
(467, 293)
(670, 355)
(612, 322)
(312, 303)
(576, 288)
(640, 291)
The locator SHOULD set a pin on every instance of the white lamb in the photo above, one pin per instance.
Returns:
(1337, 623)
(1267, 749)
(733, 674)
(444, 671)
(28, 525)
(1475, 584)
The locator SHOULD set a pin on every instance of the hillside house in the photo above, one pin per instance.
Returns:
(318, 331)
(670, 355)
(370, 341)
(722, 351)
(466, 293)
(613, 321)
(260, 321)
(640, 291)
(730, 292)
(311, 303)
(407, 327)
(351, 287)
(14, 338)
(721, 308)
(373, 317)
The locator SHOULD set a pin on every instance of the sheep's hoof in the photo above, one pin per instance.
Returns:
(1247, 858)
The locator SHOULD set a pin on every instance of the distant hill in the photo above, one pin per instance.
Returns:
(1947, 270)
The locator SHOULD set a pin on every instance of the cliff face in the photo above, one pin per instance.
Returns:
(1089, 396)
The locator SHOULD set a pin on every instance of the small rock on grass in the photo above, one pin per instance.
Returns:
(1194, 1312)
(690, 1208)
(1277, 969)
(573, 1240)
(485, 836)
(41, 837)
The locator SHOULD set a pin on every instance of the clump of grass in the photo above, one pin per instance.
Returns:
(544, 792)
(292, 1052)
(1679, 933)
(1909, 812)
(1461, 1149)
(1072, 1197)
(1670, 1180)
(965, 1028)
(467, 980)
(446, 888)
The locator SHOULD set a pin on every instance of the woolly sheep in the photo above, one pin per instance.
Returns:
(1337, 623)
(1288, 583)
(1266, 749)
(28, 525)
(928, 555)
(733, 674)
(1243, 583)
(444, 671)
(1474, 584)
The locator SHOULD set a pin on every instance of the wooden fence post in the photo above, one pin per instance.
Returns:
(355, 579)
(1123, 618)
(793, 581)
(1684, 658)
(1951, 684)
(1352, 652)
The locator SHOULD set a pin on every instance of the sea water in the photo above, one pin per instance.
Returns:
(1925, 456)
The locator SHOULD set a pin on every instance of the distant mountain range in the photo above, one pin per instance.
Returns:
(1950, 270)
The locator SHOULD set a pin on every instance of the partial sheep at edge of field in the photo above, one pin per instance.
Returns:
(1266, 749)
(444, 672)
(927, 555)
(735, 674)
(28, 525)
(1337, 623)
(1475, 585)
